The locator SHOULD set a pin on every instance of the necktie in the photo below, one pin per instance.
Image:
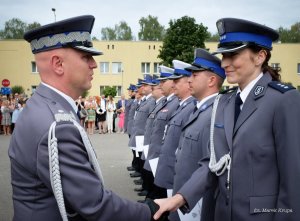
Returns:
(238, 103)
(78, 113)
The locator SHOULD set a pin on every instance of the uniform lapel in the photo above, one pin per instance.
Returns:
(250, 104)
(182, 107)
(229, 119)
(195, 115)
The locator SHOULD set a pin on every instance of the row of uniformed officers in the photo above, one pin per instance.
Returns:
(238, 158)
(238, 151)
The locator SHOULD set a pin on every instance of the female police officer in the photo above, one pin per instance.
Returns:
(255, 144)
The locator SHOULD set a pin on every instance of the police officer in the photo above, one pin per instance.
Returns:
(164, 176)
(55, 173)
(159, 102)
(142, 112)
(205, 84)
(160, 120)
(254, 139)
(130, 105)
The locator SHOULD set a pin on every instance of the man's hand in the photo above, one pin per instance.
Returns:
(168, 204)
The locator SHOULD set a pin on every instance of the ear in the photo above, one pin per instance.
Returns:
(57, 64)
(260, 57)
(212, 80)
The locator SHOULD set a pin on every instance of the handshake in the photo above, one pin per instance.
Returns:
(154, 208)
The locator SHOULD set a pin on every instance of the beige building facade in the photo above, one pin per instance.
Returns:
(123, 63)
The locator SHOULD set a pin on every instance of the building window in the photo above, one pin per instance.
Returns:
(34, 67)
(145, 68)
(104, 67)
(113, 47)
(119, 91)
(298, 68)
(116, 67)
(276, 66)
(156, 67)
(154, 47)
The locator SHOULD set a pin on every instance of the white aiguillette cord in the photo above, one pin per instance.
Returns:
(54, 170)
(225, 161)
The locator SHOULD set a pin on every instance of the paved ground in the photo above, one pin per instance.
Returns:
(113, 154)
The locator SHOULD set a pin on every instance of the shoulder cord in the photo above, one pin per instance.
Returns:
(54, 170)
(225, 161)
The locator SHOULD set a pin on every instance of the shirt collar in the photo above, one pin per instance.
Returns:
(200, 103)
(68, 98)
(149, 95)
(170, 96)
(244, 94)
(182, 101)
(159, 99)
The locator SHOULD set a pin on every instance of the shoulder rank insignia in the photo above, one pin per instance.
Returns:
(280, 86)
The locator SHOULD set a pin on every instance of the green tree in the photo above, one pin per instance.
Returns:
(15, 29)
(123, 31)
(108, 34)
(150, 29)
(213, 37)
(181, 39)
(85, 94)
(112, 91)
(17, 89)
(291, 35)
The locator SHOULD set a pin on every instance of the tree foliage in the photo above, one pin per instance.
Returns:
(291, 35)
(121, 31)
(15, 29)
(17, 89)
(150, 29)
(213, 37)
(181, 39)
(112, 91)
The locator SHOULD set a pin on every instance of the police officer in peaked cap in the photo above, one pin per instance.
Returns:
(54, 170)
(254, 144)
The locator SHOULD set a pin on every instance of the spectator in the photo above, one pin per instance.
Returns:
(110, 107)
(6, 117)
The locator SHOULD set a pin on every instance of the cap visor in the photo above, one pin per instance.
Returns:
(194, 68)
(93, 51)
(229, 49)
(151, 84)
(173, 77)
(162, 79)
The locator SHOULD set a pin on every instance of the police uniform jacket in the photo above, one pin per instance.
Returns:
(128, 104)
(84, 193)
(159, 123)
(149, 122)
(141, 115)
(131, 113)
(264, 148)
(165, 169)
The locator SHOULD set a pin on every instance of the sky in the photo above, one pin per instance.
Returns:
(108, 13)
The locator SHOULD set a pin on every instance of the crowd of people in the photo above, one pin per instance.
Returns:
(11, 106)
(199, 153)
(98, 113)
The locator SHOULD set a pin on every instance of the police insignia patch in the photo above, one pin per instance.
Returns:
(258, 90)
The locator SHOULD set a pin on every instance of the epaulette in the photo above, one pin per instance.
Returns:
(228, 90)
(280, 86)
